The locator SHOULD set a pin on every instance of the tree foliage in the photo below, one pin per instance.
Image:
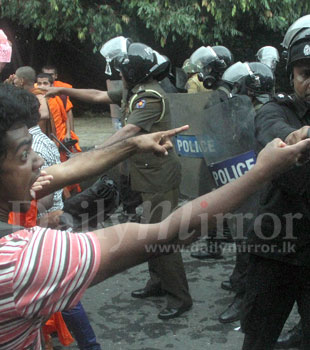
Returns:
(204, 21)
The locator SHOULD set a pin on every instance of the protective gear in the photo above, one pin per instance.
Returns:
(211, 62)
(164, 67)
(137, 64)
(189, 68)
(295, 28)
(224, 54)
(112, 48)
(252, 79)
(297, 42)
(268, 55)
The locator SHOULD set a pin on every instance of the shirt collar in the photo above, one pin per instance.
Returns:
(35, 130)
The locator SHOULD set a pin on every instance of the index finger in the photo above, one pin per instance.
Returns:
(175, 131)
(301, 146)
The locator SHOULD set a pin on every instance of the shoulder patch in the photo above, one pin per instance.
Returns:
(141, 103)
(283, 98)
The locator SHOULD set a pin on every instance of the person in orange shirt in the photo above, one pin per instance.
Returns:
(61, 125)
(52, 70)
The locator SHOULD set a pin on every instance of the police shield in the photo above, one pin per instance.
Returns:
(227, 143)
(188, 109)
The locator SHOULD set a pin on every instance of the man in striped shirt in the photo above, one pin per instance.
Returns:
(43, 271)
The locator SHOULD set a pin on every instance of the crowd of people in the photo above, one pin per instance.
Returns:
(45, 267)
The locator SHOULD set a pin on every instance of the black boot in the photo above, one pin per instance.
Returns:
(232, 313)
(290, 339)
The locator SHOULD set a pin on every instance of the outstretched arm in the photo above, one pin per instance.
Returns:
(86, 95)
(126, 245)
(86, 164)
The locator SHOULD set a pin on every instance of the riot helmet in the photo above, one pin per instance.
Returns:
(297, 42)
(268, 55)
(224, 54)
(254, 79)
(137, 64)
(112, 48)
(164, 67)
(210, 64)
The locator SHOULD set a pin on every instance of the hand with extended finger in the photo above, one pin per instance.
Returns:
(158, 142)
(278, 157)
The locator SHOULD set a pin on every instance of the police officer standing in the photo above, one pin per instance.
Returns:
(255, 80)
(145, 109)
(279, 267)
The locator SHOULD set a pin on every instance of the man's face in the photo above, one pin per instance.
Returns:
(43, 82)
(51, 72)
(301, 80)
(19, 169)
(18, 82)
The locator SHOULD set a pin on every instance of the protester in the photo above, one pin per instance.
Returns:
(48, 210)
(68, 105)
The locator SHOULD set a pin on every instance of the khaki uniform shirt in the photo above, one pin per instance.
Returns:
(144, 108)
(194, 85)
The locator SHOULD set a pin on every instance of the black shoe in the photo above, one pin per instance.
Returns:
(146, 293)
(167, 313)
(290, 339)
(205, 254)
(226, 285)
(232, 313)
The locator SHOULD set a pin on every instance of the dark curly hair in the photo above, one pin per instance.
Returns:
(12, 112)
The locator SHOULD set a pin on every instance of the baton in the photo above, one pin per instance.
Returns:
(69, 153)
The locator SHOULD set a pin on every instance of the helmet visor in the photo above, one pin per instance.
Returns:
(235, 73)
(296, 27)
(112, 49)
(268, 55)
(202, 57)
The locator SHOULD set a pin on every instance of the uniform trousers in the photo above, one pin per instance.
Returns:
(167, 271)
(271, 290)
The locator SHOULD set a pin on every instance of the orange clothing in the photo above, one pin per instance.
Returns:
(28, 219)
(59, 116)
(69, 104)
(57, 324)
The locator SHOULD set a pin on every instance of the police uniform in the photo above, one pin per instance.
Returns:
(279, 267)
(157, 179)
(194, 85)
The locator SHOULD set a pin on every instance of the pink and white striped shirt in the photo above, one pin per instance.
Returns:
(41, 271)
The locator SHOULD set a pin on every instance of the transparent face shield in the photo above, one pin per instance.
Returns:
(116, 47)
(268, 55)
(235, 73)
(255, 79)
(202, 56)
(296, 27)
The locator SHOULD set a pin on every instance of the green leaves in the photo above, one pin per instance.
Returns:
(205, 21)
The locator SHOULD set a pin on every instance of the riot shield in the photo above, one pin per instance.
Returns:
(227, 142)
(188, 109)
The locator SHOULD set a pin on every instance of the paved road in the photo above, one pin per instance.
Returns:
(124, 323)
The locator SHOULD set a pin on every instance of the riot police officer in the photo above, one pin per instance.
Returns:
(279, 267)
(193, 84)
(211, 62)
(146, 109)
(255, 80)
